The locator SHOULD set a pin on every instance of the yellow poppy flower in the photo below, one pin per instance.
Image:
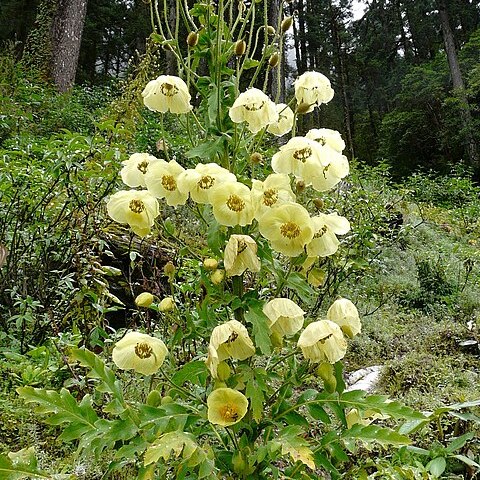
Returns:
(140, 352)
(226, 406)
(325, 136)
(167, 94)
(232, 204)
(255, 108)
(345, 314)
(288, 228)
(272, 192)
(325, 175)
(327, 227)
(295, 155)
(240, 255)
(285, 120)
(138, 208)
(285, 316)
(135, 168)
(161, 181)
(200, 181)
(229, 340)
(323, 341)
(313, 88)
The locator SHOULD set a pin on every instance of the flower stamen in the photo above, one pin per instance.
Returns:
(235, 203)
(143, 350)
(290, 230)
(136, 206)
(169, 183)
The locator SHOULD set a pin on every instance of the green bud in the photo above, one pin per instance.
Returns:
(145, 299)
(154, 399)
(270, 30)
(240, 48)
(169, 268)
(326, 372)
(286, 24)
(166, 400)
(277, 340)
(256, 158)
(273, 60)
(192, 39)
(303, 108)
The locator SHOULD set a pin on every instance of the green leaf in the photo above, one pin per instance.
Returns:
(215, 236)
(459, 442)
(322, 461)
(261, 330)
(208, 150)
(318, 413)
(376, 434)
(298, 283)
(467, 461)
(22, 465)
(250, 63)
(256, 396)
(190, 371)
(294, 445)
(437, 466)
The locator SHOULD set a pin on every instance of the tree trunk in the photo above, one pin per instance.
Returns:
(458, 86)
(67, 31)
(277, 78)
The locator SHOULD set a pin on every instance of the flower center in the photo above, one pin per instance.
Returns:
(321, 232)
(235, 203)
(303, 154)
(254, 107)
(233, 336)
(136, 206)
(169, 90)
(290, 230)
(322, 141)
(229, 413)
(143, 166)
(270, 197)
(169, 183)
(143, 350)
(206, 182)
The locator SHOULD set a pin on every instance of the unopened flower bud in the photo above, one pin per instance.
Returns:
(256, 158)
(300, 186)
(166, 400)
(286, 24)
(240, 48)
(210, 264)
(217, 276)
(145, 299)
(319, 203)
(166, 305)
(169, 269)
(273, 60)
(192, 39)
(270, 30)
(154, 398)
(303, 108)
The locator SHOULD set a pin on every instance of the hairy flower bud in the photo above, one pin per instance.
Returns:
(217, 276)
(169, 268)
(300, 186)
(192, 39)
(145, 299)
(273, 60)
(256, 158)
(240, 48)
(167, 304)
(210, 264)
(319, 203)
(270, 30)
(286, 24)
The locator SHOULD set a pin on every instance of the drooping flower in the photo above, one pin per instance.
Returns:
(140, 352)
(240, 255)
(327, 227)
(284, 315)
(323, 341)
(226, 406)
(285, 120)
(275, 190)
(333, 167)
(345, 314)
(313, 89)
(138, 208)
(255, 108)
(145, 299)
(167, 94)
(232, 204)
(135, 168)
(288, 228)
(325, 136)
(295, 155)
(229, 340)
(161, 181)
(200, 181)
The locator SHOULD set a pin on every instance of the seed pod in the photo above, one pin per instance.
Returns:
(240, 48)
(256, 158)
(270, 30)
(273, 60)
(286, 24)
(192, 39)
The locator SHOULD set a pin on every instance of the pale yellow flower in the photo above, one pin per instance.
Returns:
(200, 181)
(166, 305)
(229, 340)
(285, 120)
(167, 94)
(240, 255)
(332, 168)
(145, 299)
(313, 88)
(140, 352)
(138, 208)
(161, 181)
(327, 227)
(325, 136)
(135, 168)
(345, 314)
(288, 228)
(226, 406)
(272, 192)
(217, 276)
(284, 315)
(295, 155)
(232, 204)
(255, 108)
(323, 341)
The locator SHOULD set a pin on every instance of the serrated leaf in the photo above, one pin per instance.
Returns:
(318, 413)
(190, 371)
(377, 434)
(295, 446)
(298, 283)
(176, 443)
(256, 396)
(18, 469)
(261, 330)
